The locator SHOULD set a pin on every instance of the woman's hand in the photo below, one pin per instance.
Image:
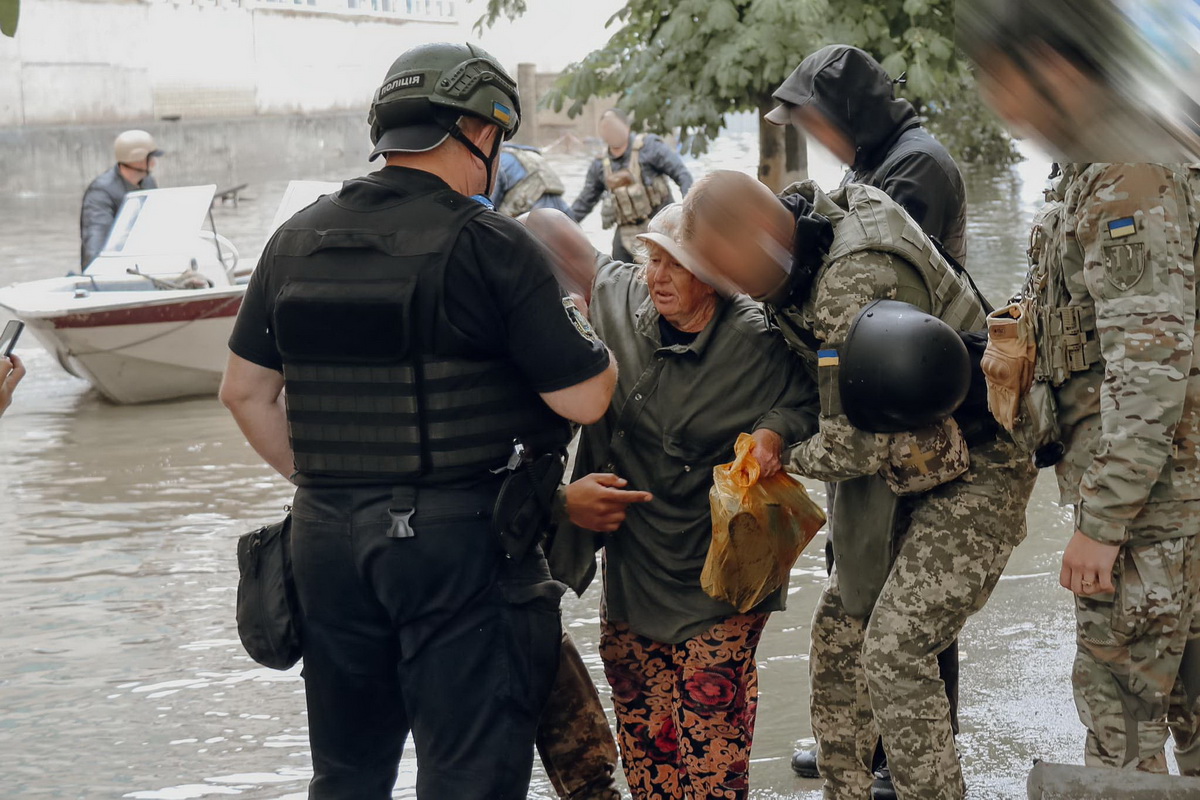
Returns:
(768, 451)
(597, 502)
(11, 373)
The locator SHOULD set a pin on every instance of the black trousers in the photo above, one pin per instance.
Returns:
(438, 634)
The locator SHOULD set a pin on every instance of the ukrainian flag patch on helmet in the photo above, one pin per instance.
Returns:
(501, 113)
(827, 358)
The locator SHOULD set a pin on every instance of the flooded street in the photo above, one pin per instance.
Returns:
(121, 674)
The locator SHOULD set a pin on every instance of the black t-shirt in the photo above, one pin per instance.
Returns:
(501, 299)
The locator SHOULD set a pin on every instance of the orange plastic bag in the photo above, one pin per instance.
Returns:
(760, 528)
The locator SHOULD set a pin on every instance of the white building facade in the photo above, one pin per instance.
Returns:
(108, 61)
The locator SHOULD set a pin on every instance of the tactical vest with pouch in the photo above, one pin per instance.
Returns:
(636, 201)
(1066, 338)
(359, 299)
(539, 180)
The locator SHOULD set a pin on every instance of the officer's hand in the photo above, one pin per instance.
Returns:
(768, 451)
(597, 502)
(1087, 566)
(11, 373)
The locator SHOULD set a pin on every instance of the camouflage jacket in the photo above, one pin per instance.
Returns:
(1125, 251)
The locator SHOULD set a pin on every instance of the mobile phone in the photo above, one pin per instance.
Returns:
(8, 339)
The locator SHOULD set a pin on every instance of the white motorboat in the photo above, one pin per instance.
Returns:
(151, 316)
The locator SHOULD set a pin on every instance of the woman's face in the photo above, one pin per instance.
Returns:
(677, 294)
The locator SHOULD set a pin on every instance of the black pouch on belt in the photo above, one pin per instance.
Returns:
(523, 508)
(268, 613)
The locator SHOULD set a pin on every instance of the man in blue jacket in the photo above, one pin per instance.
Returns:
(136, 153)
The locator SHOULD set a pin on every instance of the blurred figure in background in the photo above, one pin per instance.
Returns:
(1083, 81)
(526, 182)
(135, 152)
(631, 177)
(845, 100)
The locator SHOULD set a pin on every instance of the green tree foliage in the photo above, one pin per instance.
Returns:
(9, 14)
(686, 63)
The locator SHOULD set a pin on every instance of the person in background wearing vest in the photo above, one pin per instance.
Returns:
(903, 585)
(631, 177)
(427, 603)
(1109, 394)
(526, 182)
(135, 152)
(845, 100)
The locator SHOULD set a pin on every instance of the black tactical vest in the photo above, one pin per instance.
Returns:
(360, 306)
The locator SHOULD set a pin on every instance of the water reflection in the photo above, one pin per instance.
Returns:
(122, 675)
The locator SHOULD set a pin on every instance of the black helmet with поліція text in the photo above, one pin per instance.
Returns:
(429, 87)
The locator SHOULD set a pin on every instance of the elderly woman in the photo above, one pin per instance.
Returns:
(696, 369)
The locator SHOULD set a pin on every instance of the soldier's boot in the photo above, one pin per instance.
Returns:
(574, 739)
(804, 763)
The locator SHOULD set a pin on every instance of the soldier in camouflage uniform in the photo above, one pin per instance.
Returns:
(878, 675)
(1096, 366)
(1113, 298)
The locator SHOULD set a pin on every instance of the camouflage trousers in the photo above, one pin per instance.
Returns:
(879, 677)
(574, 739)
(1137, 666)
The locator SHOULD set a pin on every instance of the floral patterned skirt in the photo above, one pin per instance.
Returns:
(685, 712)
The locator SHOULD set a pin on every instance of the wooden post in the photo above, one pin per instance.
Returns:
(782, 152)
(528, 89)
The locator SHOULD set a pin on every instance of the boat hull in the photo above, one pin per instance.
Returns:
(157, 346)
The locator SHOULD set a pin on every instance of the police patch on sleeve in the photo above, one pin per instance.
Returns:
(1124, 264)
(579, 320)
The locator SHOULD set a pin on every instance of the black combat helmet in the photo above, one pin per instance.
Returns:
(429, 87)
(901, 369)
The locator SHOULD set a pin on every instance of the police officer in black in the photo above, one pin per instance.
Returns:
(394, 341)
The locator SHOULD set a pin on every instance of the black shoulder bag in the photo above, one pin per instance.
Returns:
(268, 613)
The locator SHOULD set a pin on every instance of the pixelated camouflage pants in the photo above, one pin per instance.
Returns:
(1136, 674)
(574, 739)
(880, 676)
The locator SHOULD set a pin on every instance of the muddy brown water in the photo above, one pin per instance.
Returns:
(121, 674)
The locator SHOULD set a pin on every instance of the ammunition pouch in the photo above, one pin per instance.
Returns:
(1009, 361)
(608, 211)
(924, 459)
(1037, 423)
(524, 506)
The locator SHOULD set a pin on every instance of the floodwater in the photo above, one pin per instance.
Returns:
(121, 674)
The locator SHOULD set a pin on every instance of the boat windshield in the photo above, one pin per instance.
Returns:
(300, 194)
(157, 221)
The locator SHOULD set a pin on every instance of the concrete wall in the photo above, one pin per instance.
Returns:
(65, 158)
(99, 61)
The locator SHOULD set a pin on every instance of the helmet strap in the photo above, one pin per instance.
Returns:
(489, 163)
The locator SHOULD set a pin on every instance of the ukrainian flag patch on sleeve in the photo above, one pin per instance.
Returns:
(1120, 228)
(827, 358)
(501, 113)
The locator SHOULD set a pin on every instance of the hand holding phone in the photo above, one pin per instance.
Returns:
(8, 339)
